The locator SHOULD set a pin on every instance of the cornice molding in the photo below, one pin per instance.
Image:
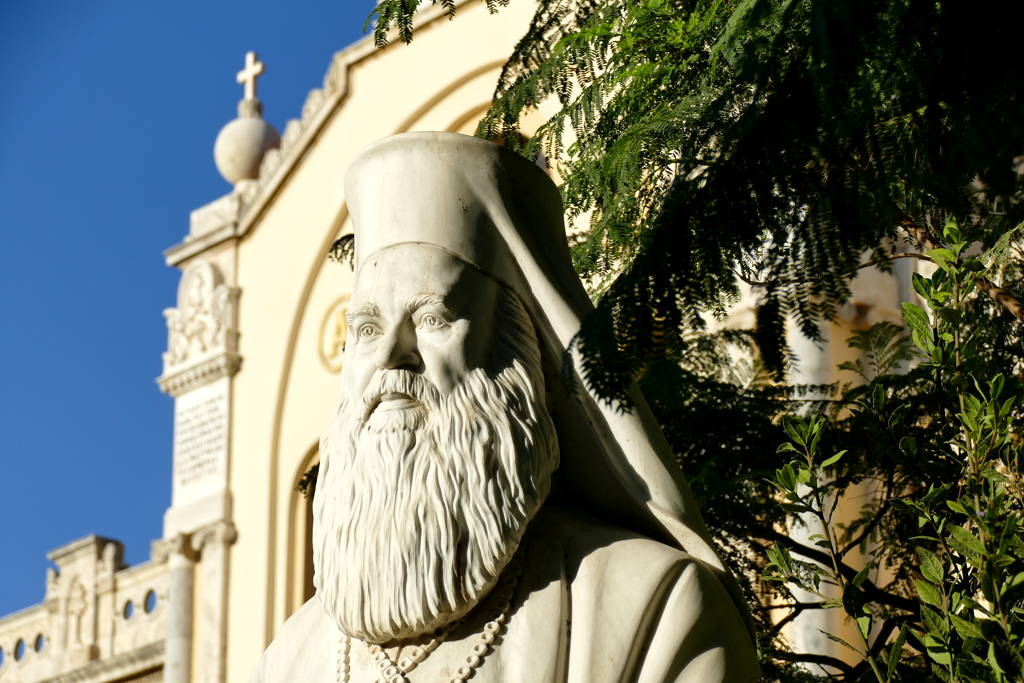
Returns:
(218, 532)
(117, 667)
(224, 365)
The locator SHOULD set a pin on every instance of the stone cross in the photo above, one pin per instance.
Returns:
(253, 68)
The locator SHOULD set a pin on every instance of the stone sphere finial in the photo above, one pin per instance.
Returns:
(241, 145)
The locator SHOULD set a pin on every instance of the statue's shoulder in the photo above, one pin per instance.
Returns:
(641, 609)
(588, 541)
(302, 649)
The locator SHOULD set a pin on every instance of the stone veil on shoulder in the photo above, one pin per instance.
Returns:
(471, 520)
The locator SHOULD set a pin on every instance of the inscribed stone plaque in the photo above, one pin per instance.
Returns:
(200, 441)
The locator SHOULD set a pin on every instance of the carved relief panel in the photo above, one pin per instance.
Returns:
(201, 357)
(202, 332)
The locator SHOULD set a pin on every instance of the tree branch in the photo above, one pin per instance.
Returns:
(798, 608)
(925, 237)
(867, 530)
(821, 660)
(884, 631)
(1001, 297)
(871, 592)
(875, 262)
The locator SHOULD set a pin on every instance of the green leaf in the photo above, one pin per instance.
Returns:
(861, 576)
(917, 319)
(908, 445)
(936, 495)
(786, 477)
(785, 448)
(897, 650)
(949, 315)
(921, 285)
(929, 593)
(864, 624)
(942, 258)
(951, 231)
(833, 460)
(843, 642)
(794, 426)
(965, 540)
(991, 630)
(972, 604)
(956, 506)
(934, 622)
(965, 628)
(814, 442)
(931, 566)
(1005, 658)
(996, 386)
(936, 649)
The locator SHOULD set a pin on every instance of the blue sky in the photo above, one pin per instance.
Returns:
(108, 113)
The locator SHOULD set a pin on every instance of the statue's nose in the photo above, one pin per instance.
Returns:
(398, 350)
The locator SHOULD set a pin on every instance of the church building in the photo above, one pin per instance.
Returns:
(254, 349)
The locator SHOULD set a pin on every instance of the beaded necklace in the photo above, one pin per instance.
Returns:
(392, 672)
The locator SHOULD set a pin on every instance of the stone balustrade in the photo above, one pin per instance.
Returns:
(100, 620)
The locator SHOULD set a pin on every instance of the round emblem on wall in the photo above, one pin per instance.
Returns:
(333, 331)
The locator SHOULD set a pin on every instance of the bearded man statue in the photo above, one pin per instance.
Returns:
(472, 518)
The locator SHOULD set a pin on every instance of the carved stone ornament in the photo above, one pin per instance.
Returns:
(218, 532)
(179, 544)
(52, 582)
(334, 334)
(78, 603)
(202, 332)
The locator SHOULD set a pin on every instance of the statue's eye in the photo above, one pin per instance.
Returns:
(366, 331)
(431, 321)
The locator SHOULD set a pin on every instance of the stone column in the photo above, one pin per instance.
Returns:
(178, 656)
(211, 627)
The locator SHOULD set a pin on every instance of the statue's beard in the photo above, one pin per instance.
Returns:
(417, 511)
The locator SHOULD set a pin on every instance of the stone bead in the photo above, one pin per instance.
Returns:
(480, 649)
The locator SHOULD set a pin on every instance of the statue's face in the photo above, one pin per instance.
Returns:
(440, 452)
(418, 308)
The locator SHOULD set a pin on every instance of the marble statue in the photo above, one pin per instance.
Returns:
(473, 519)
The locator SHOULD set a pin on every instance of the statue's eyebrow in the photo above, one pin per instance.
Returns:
(419, 301)
(368, 309)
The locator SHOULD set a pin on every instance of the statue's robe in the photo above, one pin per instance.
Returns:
(595, 604)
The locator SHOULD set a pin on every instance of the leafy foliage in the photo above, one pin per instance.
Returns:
(946, 521)
(774, 140)
(705, 143)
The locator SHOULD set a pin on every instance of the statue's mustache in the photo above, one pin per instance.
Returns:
(399, 384)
